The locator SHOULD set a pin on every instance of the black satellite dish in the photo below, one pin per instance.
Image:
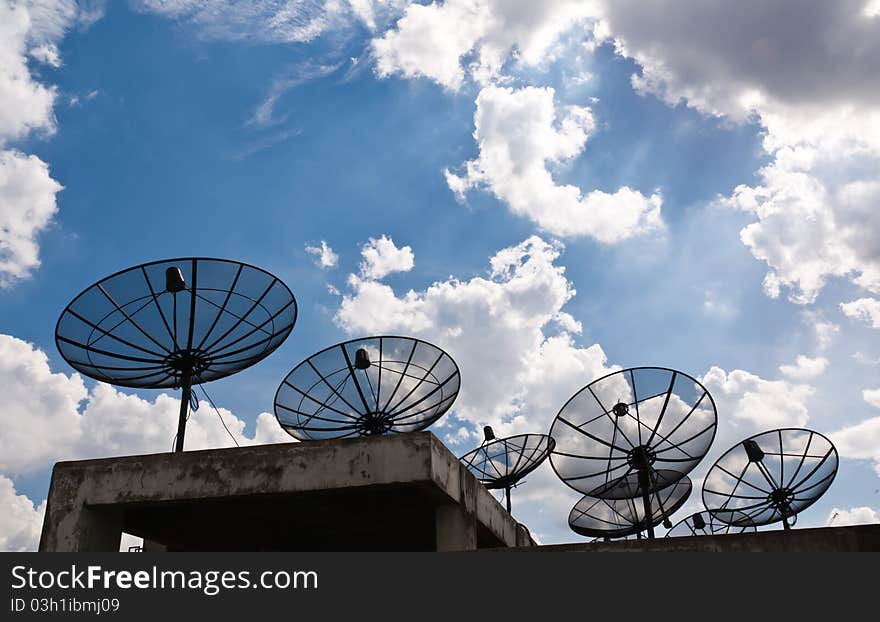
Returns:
(176, 323)
(618, 518)
(632, 433)
(704, 524)
(770, 477)
(365, 387)
(499, 463)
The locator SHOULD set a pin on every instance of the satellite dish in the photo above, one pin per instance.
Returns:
(365, 387)
(770, 477)
(176, 323)
(499, 463)
(704, 524)
(618, 518)
(632, 433)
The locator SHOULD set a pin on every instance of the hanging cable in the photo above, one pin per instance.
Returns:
(217, 410)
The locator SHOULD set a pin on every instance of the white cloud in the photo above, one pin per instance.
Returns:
(854, 516)
(815, 91)
(872, 397)
(729, 58)
(813, 223)
(864, 309)
(324, 256)
(20, 522)
(519, 136)
(39, 411)
(445, 41)
(382, 257)
(25, 104)
(805, 368)
(31, 28)
(860, 441)
(494, 328)
(824, 330)
(749, 401)
(42, 420)
(27, 206)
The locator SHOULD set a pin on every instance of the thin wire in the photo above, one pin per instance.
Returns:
(210, 401)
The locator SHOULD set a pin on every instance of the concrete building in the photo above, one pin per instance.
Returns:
(383, 493)
(386, 493)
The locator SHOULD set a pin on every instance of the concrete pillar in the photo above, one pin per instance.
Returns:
(456, 530)
(83, 529)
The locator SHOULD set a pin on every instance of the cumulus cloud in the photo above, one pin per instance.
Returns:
(860, 441)
(813, 88)
(382, 257)
(494, 327)
(519, 136)
(27, 192)
(20, 521)
(872, 397)
(751, 401)
(805, 368)
(324, 256)
(814, 220)
(854, 516)
(735, 59)
(49, 416)
(447, 41)
(27, 206)
(39, 412)
(864, 309)
(25, 104)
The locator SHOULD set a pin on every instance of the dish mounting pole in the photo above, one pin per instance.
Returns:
(185, 397)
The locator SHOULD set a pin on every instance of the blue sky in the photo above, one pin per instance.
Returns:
(220, 131)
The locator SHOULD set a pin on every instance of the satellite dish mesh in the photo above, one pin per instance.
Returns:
(137, 329)
(369, 386)
(499, 463)
(176, 323)
(704, 524)
(770, 477)
(618, 518)
(632, 432)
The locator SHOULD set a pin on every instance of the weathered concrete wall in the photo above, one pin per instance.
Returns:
(92, 501)
(825, 539)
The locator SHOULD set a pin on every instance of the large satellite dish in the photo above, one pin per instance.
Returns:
(500, 463)
(704, 524)
(770, 477)
(369, 386)
(632, 433)
(176, 323)
(618, 518)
